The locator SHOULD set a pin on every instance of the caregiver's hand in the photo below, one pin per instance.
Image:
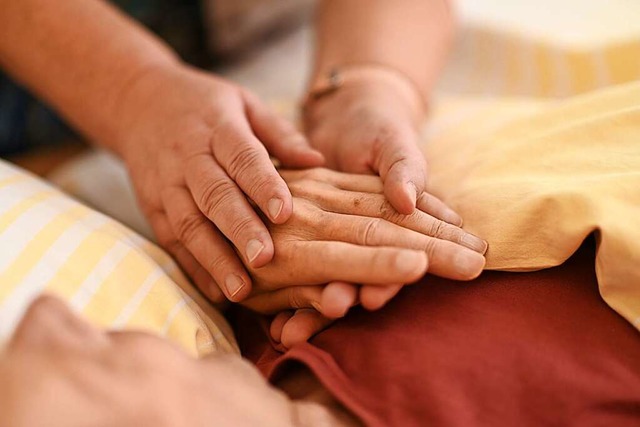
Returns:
(197, 149)
(369, 127)
(60, 371)
(343, 231)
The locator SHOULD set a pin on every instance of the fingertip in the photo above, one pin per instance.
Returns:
(469, 264)
(259, 252)
(337, 298)
(277, 324)
(295, 332)
(402, 197)
(452, 217)
(375, 297)
(236, 288)
(280, 206)
(213, 291)
(314, 158)
(413, 264)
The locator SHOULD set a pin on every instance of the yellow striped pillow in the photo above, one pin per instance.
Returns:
(51, 243)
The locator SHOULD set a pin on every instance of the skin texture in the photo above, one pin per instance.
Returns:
(183, 133)
(368, 125)
(192, 173)
(58, 370)
(345, 221)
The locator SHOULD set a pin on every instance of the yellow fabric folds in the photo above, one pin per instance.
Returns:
(535, 179)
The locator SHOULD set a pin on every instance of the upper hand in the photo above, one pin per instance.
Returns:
(369, 128)
(197, 149)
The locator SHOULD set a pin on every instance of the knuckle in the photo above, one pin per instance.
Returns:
(188, 225)
(214, 195)
(42, 308)
(304, 187)
(243, 160)
(239, 227)
(316, 174)
(388, 212)
(430, 246)
(437, 228)
(263, 185)
(369, 233)
(295, 298)
(218, 263)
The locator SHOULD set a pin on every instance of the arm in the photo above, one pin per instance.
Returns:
(390, 54)
(79, 56)
(192, 142)
(411, 36)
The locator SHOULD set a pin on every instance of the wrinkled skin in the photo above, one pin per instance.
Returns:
(370, 128)
(343, 232)
(197, 149)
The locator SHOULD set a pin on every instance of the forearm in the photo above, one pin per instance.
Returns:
(79, 56)
(412, 36)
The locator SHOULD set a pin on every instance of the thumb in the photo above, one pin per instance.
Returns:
(280, 137)
(403, 169)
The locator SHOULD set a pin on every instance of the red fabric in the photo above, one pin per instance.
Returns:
(509, 349)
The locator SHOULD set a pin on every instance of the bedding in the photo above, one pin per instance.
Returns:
(510, 349)
(117, 279)
(536, 186)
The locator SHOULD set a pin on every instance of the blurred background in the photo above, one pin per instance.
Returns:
(266, 44)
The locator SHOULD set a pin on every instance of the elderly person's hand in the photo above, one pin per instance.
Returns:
(369, 126)
(344, 231)
(60, 371)
(197, 149)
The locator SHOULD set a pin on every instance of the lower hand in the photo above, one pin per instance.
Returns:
(344, 231)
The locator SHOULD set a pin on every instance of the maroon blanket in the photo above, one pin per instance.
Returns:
(509, 349)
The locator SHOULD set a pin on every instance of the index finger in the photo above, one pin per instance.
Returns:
(247, 162)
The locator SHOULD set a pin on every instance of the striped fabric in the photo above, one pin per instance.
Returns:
(544, 48)
(117, 279)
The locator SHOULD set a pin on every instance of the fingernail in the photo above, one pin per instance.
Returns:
(475, 243)
(234, 284)
(469, 264)
(317, 306)
(413, 193)
(275, 207)
(254, 248)
(408, 262)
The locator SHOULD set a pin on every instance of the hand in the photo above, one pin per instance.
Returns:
(197, 149)
(344, 231)
(370, 128)
(59, 371)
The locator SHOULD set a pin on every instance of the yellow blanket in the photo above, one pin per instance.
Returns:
(540, 183)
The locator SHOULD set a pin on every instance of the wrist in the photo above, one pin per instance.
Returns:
(136, 95)
(363, 100)
(362, 78)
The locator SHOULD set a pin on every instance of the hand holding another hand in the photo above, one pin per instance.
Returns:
(198, 152)
(342, 232)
